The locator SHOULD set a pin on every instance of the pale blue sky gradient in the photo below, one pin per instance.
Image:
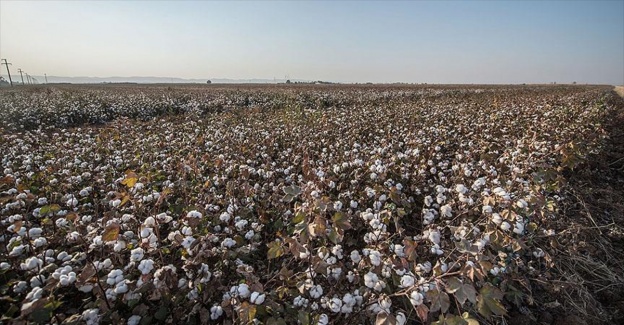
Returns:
(405, 41)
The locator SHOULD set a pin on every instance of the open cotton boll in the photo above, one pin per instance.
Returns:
(257, 298)
(416, 298)
(146, 266)
(134, 320)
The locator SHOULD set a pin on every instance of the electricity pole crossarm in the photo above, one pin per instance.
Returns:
(8, 72)
(21, 75)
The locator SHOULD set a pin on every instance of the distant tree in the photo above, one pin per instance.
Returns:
(288, 81)
(3, 82)
(208, 82)
(574, 83)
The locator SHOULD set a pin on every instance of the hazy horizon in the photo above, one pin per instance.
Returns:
(479, 42)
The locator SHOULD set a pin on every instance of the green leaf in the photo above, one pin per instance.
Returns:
(489, 301)
(299, 217)
(333, 236)
(455, 320)
(44, 210)
(293, 190)
(111, 232)
(276, 249)
(341, 221)
(439, 300)
(161, 313)
(469, 319)
(303, 318)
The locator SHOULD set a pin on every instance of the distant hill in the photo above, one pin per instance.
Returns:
(151, 80)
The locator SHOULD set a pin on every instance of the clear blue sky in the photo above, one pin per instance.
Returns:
(408, 41)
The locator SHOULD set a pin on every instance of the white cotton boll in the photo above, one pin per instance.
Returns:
(186, 231)
(90, 316)
(350, 276)
(187, 242)
(164, 218)
(114, 276)
(5, 266)
(243, 290)
(34, 233)
(119, 245)
(39, 242)
(36, 281)
(35, 294)
(225, 217)
(400, 318)
(505, 226)
(428, 200)
(370, 279)
(20, 287)
(115, 203)
(335, 304)
(42, 201)
(539, 253)
(407, 281)
(519, 228)
(149, 222)
(375, 257)
(228, 243)
(121, 288)
(31, 263)
(146, 266)
(486, 209)
(522, 204)
(241, 224)
(145, 232)
(446, 211)
(355, 256)
(496, 218)
(257, 298)
(460, 188)
(434, 236)
(416, 298)
(72, 202)
(249, 235)
(134, 320)
(194, 214)
(216, 312)
(399, 250)
(18, 250)
(337, 205)
(316, 292)
(353, 204)
(136, 254)
(323, 320)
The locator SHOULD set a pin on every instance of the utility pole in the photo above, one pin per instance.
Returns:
(8, 72)
(21, 75)
(46, 77)
(28, 78)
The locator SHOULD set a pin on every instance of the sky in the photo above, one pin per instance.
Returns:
(340, 41)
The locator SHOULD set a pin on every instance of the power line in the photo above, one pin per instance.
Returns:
(8, 72)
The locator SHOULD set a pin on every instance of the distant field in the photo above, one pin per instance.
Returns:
(322, 204)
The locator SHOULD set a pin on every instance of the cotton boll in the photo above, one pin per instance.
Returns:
(216, 312)
(257, 298)
(134, 320)
(316, 292)
(146, 266)
(416, 298)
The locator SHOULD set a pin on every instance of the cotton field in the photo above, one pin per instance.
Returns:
(287, 205)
